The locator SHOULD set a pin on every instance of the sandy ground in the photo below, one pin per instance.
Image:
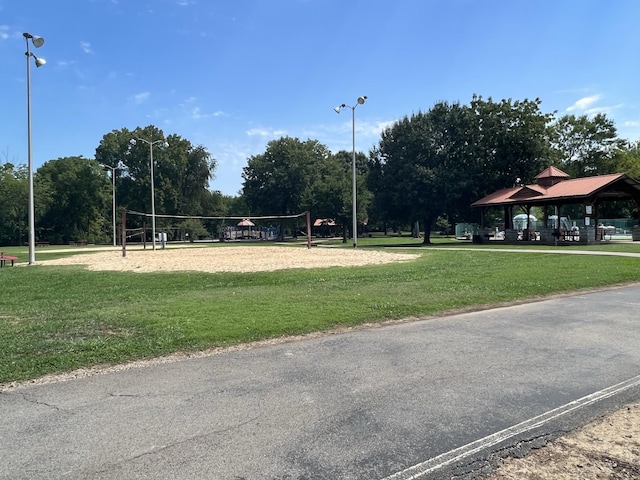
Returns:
(608, 448)
(229, 259)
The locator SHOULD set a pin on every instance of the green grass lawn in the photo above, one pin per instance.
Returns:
(55, 319)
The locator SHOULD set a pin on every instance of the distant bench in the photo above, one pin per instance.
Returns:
(42, 244)
(7, 258)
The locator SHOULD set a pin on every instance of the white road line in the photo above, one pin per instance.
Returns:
(453, 456)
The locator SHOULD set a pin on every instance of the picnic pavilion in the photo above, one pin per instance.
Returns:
(552, 191)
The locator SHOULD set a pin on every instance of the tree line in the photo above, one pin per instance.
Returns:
(427, 167)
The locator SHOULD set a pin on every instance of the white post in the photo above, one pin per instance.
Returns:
(153, 198)
(113, 207)
(32, 227)
(355, 209)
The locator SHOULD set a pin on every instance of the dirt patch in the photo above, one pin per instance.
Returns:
(229, 259)
(608, 448)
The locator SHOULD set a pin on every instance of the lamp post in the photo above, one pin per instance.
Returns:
(113, 193)
(37, 42)
(360, 101)
(151, 143)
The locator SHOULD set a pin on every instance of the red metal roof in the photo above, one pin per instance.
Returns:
(329, 222)
(552, 172)
(576, 189)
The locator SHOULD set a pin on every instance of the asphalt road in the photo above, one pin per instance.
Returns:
(423, 399)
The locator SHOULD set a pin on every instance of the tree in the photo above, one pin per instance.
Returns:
(626, 159)
(585, 146)
(437, 163)
(181, 172)
(411, 165)
(509, 144)
(13, 204)
(73, 193)
(276, 181)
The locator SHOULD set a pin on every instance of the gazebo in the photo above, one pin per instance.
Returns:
(553, 190)
(246, 225)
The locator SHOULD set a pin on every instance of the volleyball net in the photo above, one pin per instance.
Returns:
(224, 228)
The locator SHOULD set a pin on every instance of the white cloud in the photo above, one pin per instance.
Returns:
(196, 114)
(265, 132)
(379, 127)
(584, 104)
(86, 47)
(140, 97)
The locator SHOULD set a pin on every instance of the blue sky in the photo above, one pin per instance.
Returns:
(232, 75)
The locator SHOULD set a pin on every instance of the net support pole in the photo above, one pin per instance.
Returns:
(124, 232)
(308, 229)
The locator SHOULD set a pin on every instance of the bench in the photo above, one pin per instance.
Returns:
(7, 258)
(42, 244)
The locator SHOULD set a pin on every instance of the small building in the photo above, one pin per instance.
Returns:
(552, 191)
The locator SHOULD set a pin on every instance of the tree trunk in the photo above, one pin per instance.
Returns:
(427, 231)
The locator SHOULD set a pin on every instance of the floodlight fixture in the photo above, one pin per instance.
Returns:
(35, 39)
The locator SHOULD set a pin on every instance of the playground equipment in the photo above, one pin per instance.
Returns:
(565, 222)
(521, 223)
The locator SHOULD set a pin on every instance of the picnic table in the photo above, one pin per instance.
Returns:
(7, 258)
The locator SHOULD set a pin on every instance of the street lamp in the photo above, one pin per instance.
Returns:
(360, 101)
(151, 143)
(113, 191)
(37, 42)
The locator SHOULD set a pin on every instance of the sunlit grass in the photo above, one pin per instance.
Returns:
(55, 319)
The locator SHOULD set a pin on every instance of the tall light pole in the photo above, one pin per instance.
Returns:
(151, 143)
(113, 193)
(360, 101)
(37, 42)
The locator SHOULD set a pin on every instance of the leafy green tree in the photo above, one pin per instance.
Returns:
(586, 146)
(437, 163)
(275, 182)
(414, 162)
(73, 193)
(344, 189)
(233, 206)
(508, 144)
(193, 229)
(627, 159)
(181, 172)
(293, 176)
(329, 196)
(13, 204)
